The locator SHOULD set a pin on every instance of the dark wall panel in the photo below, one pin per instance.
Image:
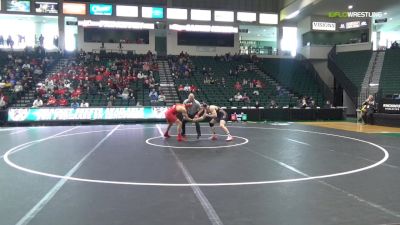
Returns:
(116, 35)
(206, 39)
(238, 5)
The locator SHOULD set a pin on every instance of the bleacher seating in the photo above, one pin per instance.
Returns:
(20, 71)
(293, 76)
(354, 65)
(222, 94)
(390, 77)
(100, 81)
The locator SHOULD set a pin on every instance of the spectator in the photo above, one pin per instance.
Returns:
(84, 104)
(327, 105)
(245, 98)
(125, 94)
(3, 101)
(279, 90)
(256, 93)
(237, 97)
(259, 84)
(110, 102)
(251, 85)
(52, 101)
(74, 104)
(273, 105)
(18, 87)
(63, 101)
(161, 98)
(41, 40)
(303, 103)
(181, 88)
(245, 82)
(187, 88)
(206, 80)
(37, 103)
(193, 88)
(153, 96)
(257, 104)
(312, 105)
(132, 94)
(26, 66)
(238, 86)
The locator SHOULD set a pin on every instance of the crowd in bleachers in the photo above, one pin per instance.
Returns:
(19, 72)
(228, 80)
(99, 80)
(113, 79)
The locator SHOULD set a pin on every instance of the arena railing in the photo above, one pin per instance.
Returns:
(68, 115)
(326, 91)
(344, 81)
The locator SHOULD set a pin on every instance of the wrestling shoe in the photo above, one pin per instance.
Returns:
(229, 138)
(179, 138)
(166, 135)
(213, 138)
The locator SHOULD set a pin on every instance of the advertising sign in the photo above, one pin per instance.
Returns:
(18, 6)
(71, 114)
(46, 7)
(324, 26)
(100, 9)
(153, 12)
(74, 8)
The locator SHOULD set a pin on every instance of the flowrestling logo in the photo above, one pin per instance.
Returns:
(354, 14)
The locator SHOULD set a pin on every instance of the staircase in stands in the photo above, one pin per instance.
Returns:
(271, 81)
(370, 84)
(167, 85)
(27, 99)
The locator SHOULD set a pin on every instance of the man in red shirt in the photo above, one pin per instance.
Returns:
(52, 101)
(63, 101)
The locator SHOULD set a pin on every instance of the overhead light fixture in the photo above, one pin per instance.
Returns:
(293, 15)
(390, 18)
(350, 7)
(203, 28)
(385, 13)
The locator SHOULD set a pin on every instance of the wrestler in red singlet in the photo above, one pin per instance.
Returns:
(171, 117)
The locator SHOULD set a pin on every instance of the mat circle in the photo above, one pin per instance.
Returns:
(228, 144)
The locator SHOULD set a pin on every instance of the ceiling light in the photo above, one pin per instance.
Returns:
(385, 13)
(390, 18)
(350, 7)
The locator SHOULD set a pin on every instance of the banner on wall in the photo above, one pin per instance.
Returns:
(324, 26)
(46, 7)
(100, 9)
(18, 6)
(70, 114)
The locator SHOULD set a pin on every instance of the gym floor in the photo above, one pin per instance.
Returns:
(277, 173)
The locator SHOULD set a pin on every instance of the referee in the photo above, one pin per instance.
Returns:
(192, 113)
